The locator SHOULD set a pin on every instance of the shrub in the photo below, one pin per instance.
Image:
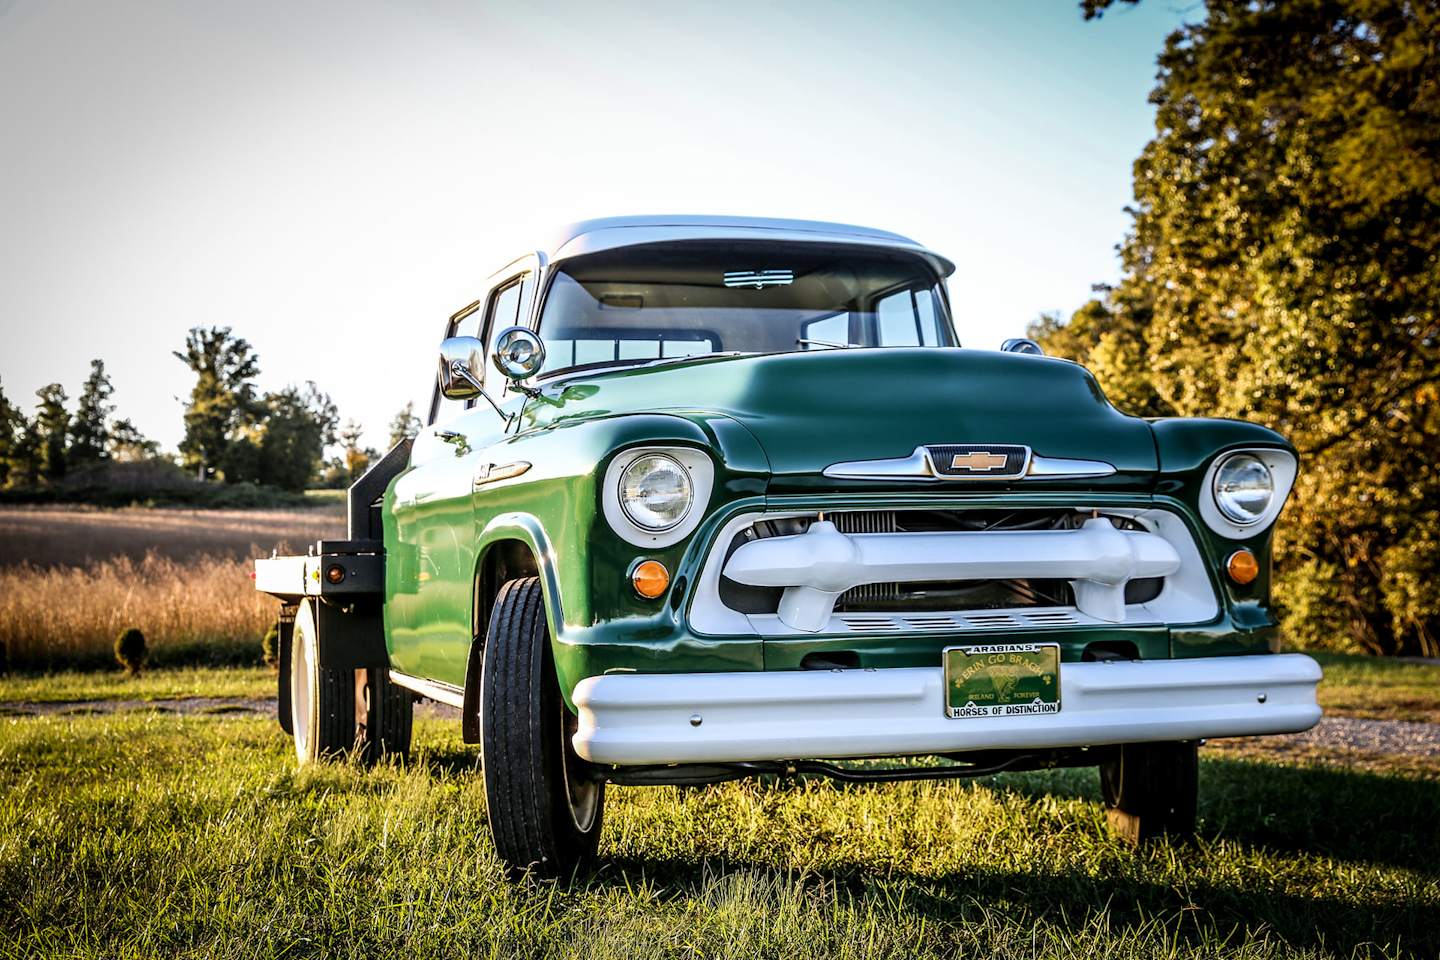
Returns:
(130, 651)
(270, 646)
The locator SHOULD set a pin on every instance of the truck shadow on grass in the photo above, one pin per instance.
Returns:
(1282, 852)
(1144, 912)
(1348, 815)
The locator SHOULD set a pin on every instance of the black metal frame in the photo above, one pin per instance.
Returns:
(980, 763)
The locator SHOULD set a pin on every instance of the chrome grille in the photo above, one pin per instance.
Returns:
(871, 623)
(870, 521)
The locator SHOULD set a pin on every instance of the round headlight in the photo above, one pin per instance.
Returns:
(655, 492)
(1244, 488)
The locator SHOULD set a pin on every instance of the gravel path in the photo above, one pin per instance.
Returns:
(1371, 736)
(263, 706)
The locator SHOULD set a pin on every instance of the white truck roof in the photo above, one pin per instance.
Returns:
(592, 236)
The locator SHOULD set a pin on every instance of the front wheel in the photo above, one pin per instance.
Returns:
(545, 811)
(1151, 789)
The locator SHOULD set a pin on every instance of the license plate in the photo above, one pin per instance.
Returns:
(1002, 680)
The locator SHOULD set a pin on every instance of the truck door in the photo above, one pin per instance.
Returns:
(428, 615)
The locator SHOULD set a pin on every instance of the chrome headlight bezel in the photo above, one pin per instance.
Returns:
(696, 464)
(649, 465)
(1227, 472)
(1281, 465)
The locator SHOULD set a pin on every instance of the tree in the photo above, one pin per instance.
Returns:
(298, 426)
(52, 427)
(357, 461)
(89, 434)
(223, 403)
(22, 466)
(128, 445)
(405, 424)
(1107, 335)
(1285, 237)
(19, 446)
(12, 426)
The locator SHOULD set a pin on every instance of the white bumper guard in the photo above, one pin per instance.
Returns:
(794, 715)
(817, 566)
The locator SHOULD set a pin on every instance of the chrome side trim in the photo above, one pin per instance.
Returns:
(1059, 468)
(430, 689)
(915, 465)
(918, 465)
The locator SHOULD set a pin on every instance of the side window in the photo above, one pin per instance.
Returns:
(909, 319)
(466, 323)
(831, 329)
(508, 307)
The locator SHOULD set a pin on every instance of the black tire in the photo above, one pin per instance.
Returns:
(322, 702)
(1151, 789)
(389, 716)
(545, 812)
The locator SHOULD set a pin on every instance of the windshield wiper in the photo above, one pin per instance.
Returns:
(827, 343)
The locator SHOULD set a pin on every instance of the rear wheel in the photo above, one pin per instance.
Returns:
(1151, 789)
(322, 702)
(389, 712)
(545, 811)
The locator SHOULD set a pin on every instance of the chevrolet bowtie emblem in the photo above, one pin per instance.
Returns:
(978, 460)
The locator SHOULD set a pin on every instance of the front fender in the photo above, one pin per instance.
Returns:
(555, 510)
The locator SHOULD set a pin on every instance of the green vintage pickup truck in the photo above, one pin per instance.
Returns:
(702, 498)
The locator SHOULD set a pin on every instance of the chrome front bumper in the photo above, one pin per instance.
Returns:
(795, 715)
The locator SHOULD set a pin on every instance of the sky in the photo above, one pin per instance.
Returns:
(329, 177)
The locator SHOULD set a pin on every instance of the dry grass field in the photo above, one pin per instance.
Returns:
(77, 536)
(72, 579)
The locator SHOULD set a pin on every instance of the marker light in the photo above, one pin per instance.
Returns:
(1243, 567)
(335, 573)
(650, 578)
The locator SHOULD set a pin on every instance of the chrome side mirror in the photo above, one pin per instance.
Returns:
(519, 353)
(460, 357)
(1021, 345)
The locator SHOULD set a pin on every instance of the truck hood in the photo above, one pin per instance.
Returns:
(814, 409)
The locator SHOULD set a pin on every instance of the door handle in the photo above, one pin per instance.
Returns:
(491, 472)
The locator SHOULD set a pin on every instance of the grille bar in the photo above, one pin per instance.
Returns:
(871, 623)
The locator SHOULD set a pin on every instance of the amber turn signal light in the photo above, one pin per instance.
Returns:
(1243, 566)
(650, 578)
(335, 573)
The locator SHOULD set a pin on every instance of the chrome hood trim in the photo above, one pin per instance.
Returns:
(920, 465)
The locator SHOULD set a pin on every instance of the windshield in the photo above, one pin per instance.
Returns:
(650, 303)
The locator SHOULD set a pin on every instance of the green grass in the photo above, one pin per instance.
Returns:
(164, 835)
(160, 684)
(1379, 688)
